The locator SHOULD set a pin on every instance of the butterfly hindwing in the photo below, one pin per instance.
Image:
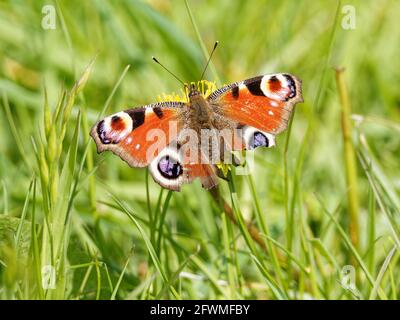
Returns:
(260, 106)
(171, 168)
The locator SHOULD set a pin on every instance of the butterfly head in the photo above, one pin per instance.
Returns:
(193, 91)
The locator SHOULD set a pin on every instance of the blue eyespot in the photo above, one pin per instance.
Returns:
(258, 140)
(169, 168)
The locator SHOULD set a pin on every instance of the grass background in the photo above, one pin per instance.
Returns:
(325, 201)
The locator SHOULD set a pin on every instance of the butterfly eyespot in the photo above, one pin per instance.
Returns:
(254, 138)
(291, 86)
(102, 133)
(259, 140)
(169, 168)
(114, 128)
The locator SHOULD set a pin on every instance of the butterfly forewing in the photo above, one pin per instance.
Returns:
(262, 103)
(133, 134)
(147, 136)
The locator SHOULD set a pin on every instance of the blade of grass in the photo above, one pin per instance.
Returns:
(213, 280)
(381, 200)
(349, 160)
(118, 284)
(162, 220)
(148, 244)
(228, 255)
(264, 229)
(35, 246)
(381, 273)
(201, 42)
(249, 241)
(84, 281)
(17, 138)
(5, 196)
(113, 91)
(354, 252)
(371, 232)
(23, 215)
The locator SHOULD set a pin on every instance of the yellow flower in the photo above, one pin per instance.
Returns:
(205, 87)
(225, 168)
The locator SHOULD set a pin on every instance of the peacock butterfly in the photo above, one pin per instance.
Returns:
(182, 141)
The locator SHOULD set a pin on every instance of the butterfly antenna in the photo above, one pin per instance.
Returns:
(209, 59)
(155, 60)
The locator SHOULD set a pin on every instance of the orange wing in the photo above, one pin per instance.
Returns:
(138, 135)
(262, 103)
(146, 136)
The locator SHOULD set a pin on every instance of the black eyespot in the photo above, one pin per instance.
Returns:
(102, 133)
(115, 119)
(258, 140)
(169, 168)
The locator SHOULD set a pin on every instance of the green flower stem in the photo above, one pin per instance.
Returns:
(349, 159)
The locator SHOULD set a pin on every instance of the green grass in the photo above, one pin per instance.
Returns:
(284, 232)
